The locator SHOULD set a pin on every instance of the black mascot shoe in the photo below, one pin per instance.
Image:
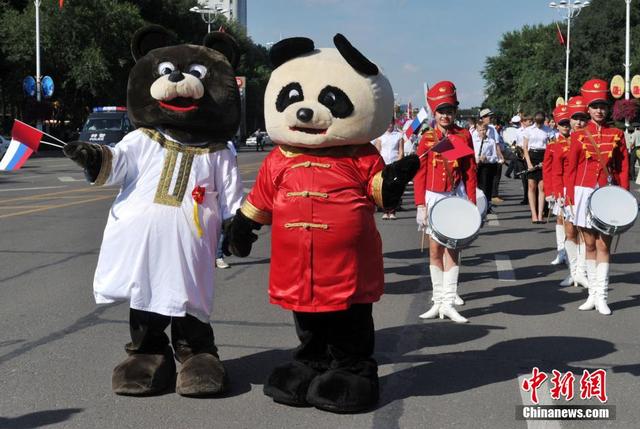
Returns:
(288, 383)
(342, 391)
(144, 374)
(201, 375)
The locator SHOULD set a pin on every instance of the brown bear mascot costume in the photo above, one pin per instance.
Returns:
(178, 184)
(318, 189)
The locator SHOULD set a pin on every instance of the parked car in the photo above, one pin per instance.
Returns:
(4, 145)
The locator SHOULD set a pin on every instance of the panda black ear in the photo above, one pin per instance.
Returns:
(149, 37)
(225, 44)
(288, 49)
(354, 57)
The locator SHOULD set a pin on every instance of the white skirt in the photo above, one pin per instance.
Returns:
(580, 209)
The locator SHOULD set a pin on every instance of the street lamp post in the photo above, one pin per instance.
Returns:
(568, 9)
(38, 77)
(208, 14)
(627, 64)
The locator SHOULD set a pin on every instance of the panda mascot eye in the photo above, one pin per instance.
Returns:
(198, 70)
(165, 68)
(336, 101)
(291, 93)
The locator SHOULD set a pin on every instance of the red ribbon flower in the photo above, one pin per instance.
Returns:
(198, 194)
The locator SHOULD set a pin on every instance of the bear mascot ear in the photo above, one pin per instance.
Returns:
(354, 57)
(288, 49)
(225, 44)
(148, 38)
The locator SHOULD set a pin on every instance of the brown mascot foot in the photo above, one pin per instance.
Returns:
(201, 375)
(144, 374)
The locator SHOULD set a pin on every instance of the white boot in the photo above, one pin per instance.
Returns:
(450, 288)
(602, 282)
(561, 258)
(581, 268)
(436, 298)
(454, 274)
(590, 303)
(572, 258)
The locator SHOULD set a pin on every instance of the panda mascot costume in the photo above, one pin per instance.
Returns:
(178, 184)
(318, 189)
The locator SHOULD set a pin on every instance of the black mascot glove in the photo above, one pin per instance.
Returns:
(87, 156)
(238, 235)
(395, 178)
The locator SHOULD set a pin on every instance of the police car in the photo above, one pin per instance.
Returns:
(106, 125)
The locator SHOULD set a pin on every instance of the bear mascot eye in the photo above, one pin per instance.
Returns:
(165, 67)
(337, 101)
(291, 93)
(197, 70)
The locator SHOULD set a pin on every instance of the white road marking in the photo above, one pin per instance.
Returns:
(544, 398)
(493, 219)
(30, 189)
(504, 268)
(69, 179)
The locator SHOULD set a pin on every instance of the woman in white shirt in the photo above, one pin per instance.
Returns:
(488, 157)
(391, 147)
(534, 144)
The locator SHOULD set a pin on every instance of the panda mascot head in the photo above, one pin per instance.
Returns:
(325, 97)
(188, 91)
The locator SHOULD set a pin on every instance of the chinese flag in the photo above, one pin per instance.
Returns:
(453, 147)
(560, 36)
(61, 3)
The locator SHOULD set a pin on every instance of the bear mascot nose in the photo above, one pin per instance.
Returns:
(176, 76)
(305, 114)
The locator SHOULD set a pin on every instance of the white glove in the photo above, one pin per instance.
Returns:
(421, 217)
(550, 198)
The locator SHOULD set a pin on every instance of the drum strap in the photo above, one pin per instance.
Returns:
(596, 148)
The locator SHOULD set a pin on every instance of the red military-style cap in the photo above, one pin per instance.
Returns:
(442, 94)
(595, 91)
(561, 113)
(577, 106)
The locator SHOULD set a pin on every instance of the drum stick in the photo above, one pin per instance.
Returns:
(615, 248)
(422, 240)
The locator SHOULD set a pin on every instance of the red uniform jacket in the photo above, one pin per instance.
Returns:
(326, 252)
(584, 168)
(432, 175)
(555, 166)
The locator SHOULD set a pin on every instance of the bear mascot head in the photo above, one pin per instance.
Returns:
(188, 91)
(325, 97)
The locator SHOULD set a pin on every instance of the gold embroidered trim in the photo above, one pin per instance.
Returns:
(307, 194)
(158, 137)
(377, 189)
(308, 164)
(105, 167)
(333, 151)
(255, 214)
(306, 225)
(175, 198)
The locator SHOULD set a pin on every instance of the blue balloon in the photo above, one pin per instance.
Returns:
(47, 86)
(29, 86)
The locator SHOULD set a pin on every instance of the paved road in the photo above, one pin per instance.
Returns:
(57, 348)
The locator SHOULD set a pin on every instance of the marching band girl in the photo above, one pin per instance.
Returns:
(597, 153)
(436, 179)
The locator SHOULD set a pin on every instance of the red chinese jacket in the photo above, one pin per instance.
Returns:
(433, 176)
(326, 252)
(584, 168)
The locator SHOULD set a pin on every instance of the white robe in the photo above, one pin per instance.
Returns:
(151, 253)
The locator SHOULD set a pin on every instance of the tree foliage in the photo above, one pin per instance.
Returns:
(528, 73)
(85, 48)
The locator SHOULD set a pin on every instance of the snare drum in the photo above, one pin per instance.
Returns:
(454, 222)
(481, 203)
(612, 210)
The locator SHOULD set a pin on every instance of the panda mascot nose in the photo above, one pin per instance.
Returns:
(176, 76)
(305, 114)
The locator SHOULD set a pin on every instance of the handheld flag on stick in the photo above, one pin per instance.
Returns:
(451, 148)
(560, 35)
(415, 124)
(24, 141)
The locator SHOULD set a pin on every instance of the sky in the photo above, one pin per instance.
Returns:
(413, 41)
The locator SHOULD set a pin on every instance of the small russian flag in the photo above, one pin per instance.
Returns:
(417, 121)
(24, 141)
